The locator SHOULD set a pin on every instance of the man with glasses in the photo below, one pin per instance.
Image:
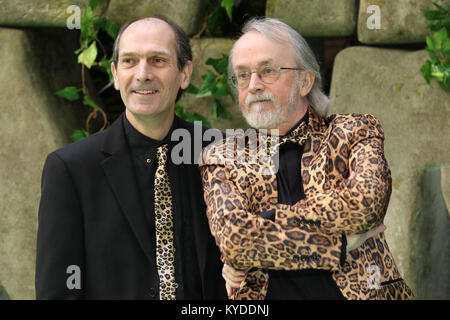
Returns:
(310, 225)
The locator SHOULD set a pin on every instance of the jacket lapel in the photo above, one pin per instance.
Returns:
(120, 173)
(317, 128)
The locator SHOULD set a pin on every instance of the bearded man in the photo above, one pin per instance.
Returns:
(309, 227)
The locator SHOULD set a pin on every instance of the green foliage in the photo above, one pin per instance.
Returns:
(438, 47)
(69, 93)
(181, 112)
(215, 85)
(88, 56)
(218, 11)
(79, 134)
(439, 18)
(106, 64)
(228, 6)
(88, 102)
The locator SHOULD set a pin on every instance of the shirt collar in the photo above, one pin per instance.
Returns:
(139, 140)
(303, 119)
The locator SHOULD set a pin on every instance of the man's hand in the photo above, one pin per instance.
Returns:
(233, 278)
(356, 240)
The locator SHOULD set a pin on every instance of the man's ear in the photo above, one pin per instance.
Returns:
(306, 82)
(116, 79)
(186, 75)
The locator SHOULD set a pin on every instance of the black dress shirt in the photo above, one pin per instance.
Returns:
(298, 284)
(143, 150)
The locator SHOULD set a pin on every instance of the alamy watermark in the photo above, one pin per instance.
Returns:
(251, 146)
(374, 279)
(373, 22)
(74, 20)
(74, 279)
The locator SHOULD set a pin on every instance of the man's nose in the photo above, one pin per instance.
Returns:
(255, 83)
(144, 71)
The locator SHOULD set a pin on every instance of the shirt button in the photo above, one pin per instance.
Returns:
(148, 160)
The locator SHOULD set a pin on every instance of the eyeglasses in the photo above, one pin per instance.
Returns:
(267, 74)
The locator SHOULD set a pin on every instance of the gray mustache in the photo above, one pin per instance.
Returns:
(260, 97)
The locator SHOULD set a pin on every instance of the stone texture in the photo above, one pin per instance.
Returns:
(188, 14)
(42, 13)
(445, 186)
(433, 241)
(202, 49)
(33, 122)
(402, 21)
(53, 13)
(317, 18)
(416, 119)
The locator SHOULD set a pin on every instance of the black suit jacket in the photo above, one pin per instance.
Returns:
(91, 216)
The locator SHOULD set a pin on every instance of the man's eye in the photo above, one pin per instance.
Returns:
(127, 61)
(268, 71)
(157, 60)
(243, 75)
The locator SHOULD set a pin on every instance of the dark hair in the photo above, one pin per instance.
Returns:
(182, 46)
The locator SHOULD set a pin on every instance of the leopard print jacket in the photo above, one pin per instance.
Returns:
(307, 235)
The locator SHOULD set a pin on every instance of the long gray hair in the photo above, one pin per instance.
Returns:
(280, 32)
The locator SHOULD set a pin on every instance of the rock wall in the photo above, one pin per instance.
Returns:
(401, 21)
(319, 18)
(33, 121)
(54, 13)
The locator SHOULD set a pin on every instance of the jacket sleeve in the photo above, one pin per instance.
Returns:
(59, 257)
(356, 205)
(248, 240)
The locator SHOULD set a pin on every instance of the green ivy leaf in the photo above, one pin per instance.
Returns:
(213, 17)
(70, 93)
(79, 134)
(439, 18)
(221, 111)
(426, 70)
(228, 6)
(97, 24)
(181, 112)
(430, 43)
(439, 38)
(106, 64)
(111, 28)
(208, 85)
(220, 65)
(88, 102)
(221, 90)
(191, 89)
(88, 56)
(88, 33)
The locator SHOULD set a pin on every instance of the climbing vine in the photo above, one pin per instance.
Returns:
(89, 56)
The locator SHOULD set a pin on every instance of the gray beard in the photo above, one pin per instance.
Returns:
(272, 118)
